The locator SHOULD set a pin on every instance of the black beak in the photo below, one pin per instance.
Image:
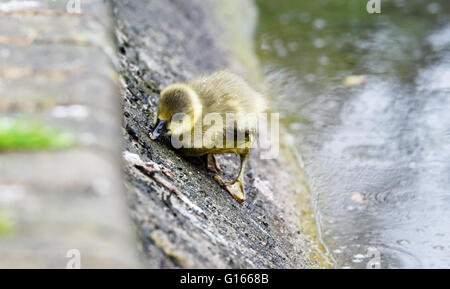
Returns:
(161, 128)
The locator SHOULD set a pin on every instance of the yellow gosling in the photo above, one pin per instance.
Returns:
(197, 113)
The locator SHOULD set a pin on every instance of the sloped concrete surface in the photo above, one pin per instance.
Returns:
(184, 218)
(59, 68)
(56, 70)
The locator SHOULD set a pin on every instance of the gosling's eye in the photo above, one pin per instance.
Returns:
(178, 116)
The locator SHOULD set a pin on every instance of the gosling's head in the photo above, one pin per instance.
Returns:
(177, 102)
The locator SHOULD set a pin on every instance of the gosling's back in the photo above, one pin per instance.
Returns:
(223, 92)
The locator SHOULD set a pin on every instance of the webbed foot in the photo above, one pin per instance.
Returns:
(235, 188)
(213, 165)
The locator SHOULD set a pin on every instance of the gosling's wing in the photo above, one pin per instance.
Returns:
(228, 138)
(223, 92)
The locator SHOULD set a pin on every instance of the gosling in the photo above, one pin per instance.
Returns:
(183, 106)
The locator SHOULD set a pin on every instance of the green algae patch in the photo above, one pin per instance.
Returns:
(25, 135)
(6, 227)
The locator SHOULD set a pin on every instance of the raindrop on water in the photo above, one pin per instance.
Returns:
(310, 77)
(319, 43)
(323, 60)
(292, 46)
(403, 242)
(319, 24)
(350, 208)
(337, 251)
(439, 247)
(433, 8)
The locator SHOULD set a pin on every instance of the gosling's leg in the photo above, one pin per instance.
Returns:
(236, 187)
(212, 164)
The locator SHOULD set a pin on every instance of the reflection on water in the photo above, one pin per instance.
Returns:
(376, 147)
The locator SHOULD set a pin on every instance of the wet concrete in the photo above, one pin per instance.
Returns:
(184, 218)
(56, 72)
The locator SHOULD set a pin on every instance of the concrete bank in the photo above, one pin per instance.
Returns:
(183, 217)
(62, 87)
(61, 194)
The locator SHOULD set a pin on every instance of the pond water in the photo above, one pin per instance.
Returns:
(365, 101)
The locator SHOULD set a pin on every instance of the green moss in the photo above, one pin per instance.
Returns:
(151, 86)
(24, 135)
(6, 228)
